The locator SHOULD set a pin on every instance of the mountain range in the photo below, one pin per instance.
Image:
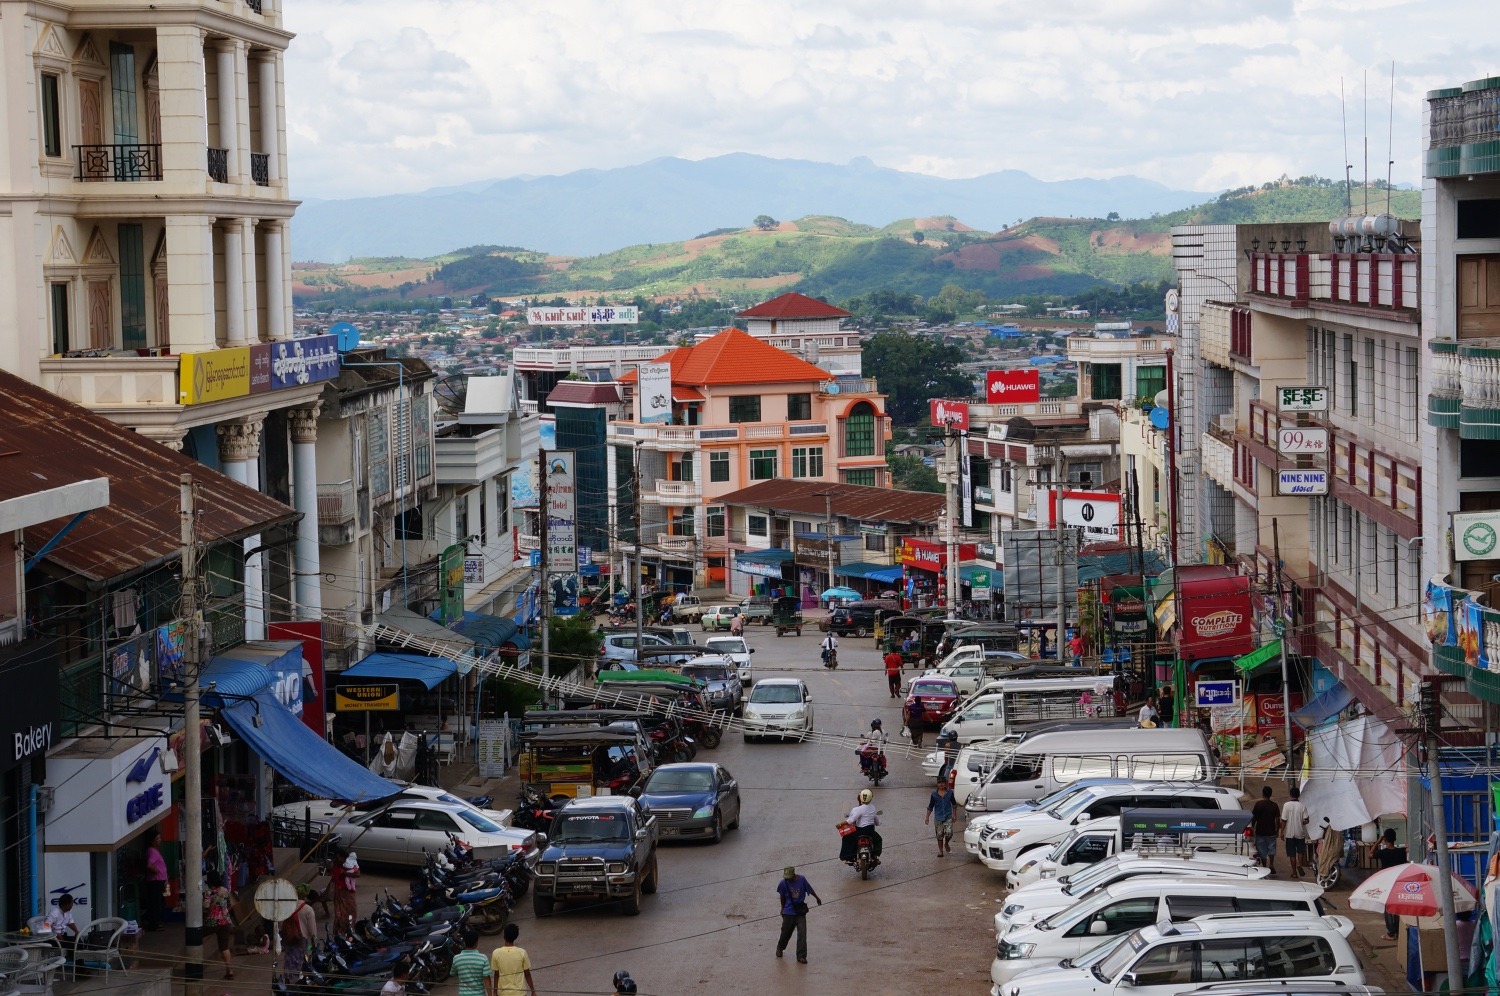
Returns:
(594, 211)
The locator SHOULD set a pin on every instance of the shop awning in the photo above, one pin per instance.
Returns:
(1202, 662)
(967, 572)
(402, 618)
(862, 569)
(249, 668)
(1263, 654)
(774, 555)
(1329, 703)
(298, 754)
(430, 671)
(486, 630)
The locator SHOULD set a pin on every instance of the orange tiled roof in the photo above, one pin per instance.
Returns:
(733, 358)
(794, 305)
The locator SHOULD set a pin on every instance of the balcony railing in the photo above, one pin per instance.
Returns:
(850, 385)
(253, 5)
(526, 542)
(336, 504)
(671, 543)
(1447, 384)
(260, 162)
(1384, 280)
(119, 162)
(218, 165)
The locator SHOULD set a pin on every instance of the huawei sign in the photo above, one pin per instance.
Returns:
(1008, 387)
(1217, 624)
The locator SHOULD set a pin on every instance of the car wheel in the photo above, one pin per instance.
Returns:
(735, 823)
(542, 905)
(631, 904)
(718, 833)
(711, 738)
(861, 632)
(704, 627)
(649, 888)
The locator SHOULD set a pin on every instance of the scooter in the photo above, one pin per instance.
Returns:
(872, 761)
(536, 810)
(864, 854)
(831, 658)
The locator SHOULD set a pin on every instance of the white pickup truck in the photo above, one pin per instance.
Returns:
(687, 607)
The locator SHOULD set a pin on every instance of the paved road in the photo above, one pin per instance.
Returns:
(919, 925)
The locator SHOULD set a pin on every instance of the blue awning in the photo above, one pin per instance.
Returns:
(861, 569)
(1327, 704)
(520, 641)
(298, 754)
(774, 555)
(1202, 662)
(886, 575)
(430, 671)
(250, 667)
(487, 631)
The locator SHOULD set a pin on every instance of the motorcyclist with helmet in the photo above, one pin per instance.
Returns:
(865, 819)
(871, 746)
(624, 984)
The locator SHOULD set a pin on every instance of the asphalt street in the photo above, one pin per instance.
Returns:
(920, 924)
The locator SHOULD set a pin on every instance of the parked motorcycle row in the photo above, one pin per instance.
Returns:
(453, 892)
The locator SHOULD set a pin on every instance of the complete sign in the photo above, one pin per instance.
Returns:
(1212, 694)
(1302, 399)
(367, 698)
(1302, 482)
(1293, 440)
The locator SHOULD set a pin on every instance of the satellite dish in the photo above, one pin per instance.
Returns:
(348, 335)
(831, 387)
(1160, 400)
(1160, 418)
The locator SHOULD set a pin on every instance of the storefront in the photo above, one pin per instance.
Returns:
(28, 727)
(925, 564)
(1205, 611)
(762, 572)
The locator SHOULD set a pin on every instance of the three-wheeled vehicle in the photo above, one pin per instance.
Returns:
(665, 693)
(786, 615)
(576, 762)
(925, 634)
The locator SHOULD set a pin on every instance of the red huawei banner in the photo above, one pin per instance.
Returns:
(950, 414)
(926, 555)
(311, 634)
(1214, 613)
(1009, 387)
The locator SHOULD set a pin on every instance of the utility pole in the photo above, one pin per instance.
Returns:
(828, 534)
(950, 527)
(1286, 635)
(192, 746)
(544, 589)
(640, 563)
(1428, 706)
(1060, 544)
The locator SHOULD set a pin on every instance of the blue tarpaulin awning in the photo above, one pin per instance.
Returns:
(430, 671)
(1327, 704)
(858, 569)
(774, 555)
(298, 754)
(487, 631)
(247, 669)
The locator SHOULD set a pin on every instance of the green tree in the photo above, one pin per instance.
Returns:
(911, 474)
(918, 237)
(765, 222)
(911, 370)
(1064, 387)
(573, 642)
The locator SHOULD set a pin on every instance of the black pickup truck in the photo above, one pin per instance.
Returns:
(599, 850)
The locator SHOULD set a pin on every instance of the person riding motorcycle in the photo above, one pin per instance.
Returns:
(865, 819)
(871, 746)
(624, 984)
(830, 651)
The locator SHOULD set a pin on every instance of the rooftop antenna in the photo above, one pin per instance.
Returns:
(1390, 150)
(1366, 113)
(1349, 167)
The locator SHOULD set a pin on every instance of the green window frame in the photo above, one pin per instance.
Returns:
(51, 116)
(865, 477)
(1150, 381)
(718, 468)
(807, 461)
(762, 465)
(132, 286)
(61, 317)
(744, 408)
(1105, 382)
(859, 431)
(798, 407)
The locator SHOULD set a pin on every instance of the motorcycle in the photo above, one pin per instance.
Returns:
(872, 761)
(536, 810)
(831, 658)
(670, 741)
(864, 854)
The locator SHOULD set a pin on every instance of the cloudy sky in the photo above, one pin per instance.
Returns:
(391, 96)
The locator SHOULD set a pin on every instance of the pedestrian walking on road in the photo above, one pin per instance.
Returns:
(893, 672)
(941, 806)
(1294, 821)
(1385, 852)
(793, 890)
(472, 967)
(218, 916)
(510, 967)
(1265, 820)
(915, 717)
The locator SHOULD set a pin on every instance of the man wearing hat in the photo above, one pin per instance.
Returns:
(793, 891)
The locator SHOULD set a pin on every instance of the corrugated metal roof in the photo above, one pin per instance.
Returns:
(46, 441)
(852, 501)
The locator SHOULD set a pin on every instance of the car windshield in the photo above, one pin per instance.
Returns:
(707, 672)
(931, 688)
(775, 694)
(729, 645)
(669, 780)
(1072, 807)
(478, 820)
(1083, 881)
(583, 827)
(1118, 960)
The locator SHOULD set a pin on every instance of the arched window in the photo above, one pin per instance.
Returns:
(859, 430)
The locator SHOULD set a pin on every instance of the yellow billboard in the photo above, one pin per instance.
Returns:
(215, 376)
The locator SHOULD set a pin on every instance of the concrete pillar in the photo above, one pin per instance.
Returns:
(275, 278)
(234, 281)
(270, 117)
(239, 455)
(182, 78)
(226, 54)
(304, 423)
(190, 282)
(170, 437)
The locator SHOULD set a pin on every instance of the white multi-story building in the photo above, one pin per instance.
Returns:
(144, 262)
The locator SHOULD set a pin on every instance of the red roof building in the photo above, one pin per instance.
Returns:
(808, 328)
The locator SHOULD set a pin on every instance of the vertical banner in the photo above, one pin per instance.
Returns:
(653, 396)
(965, 482)
(451, 584)
(561, 556)
(311, 634)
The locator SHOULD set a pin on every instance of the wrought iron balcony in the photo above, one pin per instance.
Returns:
(119, 162)
(260, 162)
(218, 165)
(255, 6)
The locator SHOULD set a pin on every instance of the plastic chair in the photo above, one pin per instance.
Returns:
(98, 944)
(12, 962)
(1107, 656)
(37, 978)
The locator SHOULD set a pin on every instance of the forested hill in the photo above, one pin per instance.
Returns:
(836, 259)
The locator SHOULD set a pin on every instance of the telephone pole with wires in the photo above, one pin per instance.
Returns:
(192, 746)
(1429, 726)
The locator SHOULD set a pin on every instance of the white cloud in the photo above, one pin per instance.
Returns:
(388, 96)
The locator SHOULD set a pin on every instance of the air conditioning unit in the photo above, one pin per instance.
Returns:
(1226, 422)
(46, 795)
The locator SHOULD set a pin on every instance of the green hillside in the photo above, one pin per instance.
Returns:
(837, 259)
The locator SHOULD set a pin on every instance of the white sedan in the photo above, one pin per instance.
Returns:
(778, 707)
(404, 830)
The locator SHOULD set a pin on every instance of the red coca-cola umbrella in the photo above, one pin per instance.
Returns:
(1409, 890)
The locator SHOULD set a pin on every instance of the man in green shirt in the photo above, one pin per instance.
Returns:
(471, 966)
(510, 967)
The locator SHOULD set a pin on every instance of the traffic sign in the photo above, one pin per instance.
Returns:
(1212, 694)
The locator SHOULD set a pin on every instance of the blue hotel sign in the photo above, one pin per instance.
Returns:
(304, 361)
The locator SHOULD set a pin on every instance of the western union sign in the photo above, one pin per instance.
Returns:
(367, 698)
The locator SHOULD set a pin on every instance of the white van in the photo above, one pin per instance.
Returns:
(1146, 831)
(991, 712)
(1042, 764)
(1130, 905)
